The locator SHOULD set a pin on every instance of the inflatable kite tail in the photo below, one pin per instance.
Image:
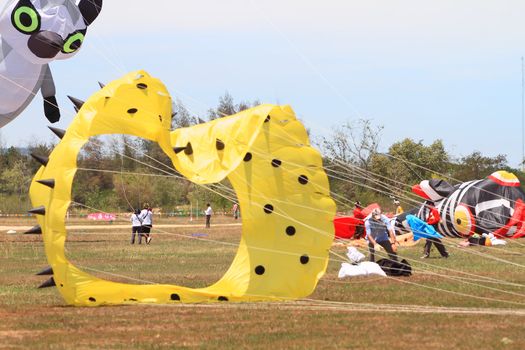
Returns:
(520, 233)
(517, 219)
(519, 211)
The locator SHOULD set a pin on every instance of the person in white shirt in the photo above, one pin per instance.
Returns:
(136, 224)
(146, 216)
(209, 213)
(236, 211)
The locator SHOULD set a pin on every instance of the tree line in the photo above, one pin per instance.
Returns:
(373, 176)
(118, 173)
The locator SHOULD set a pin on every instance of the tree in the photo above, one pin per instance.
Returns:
(476, 166)
(353, 142)
(182, 117)
(228, 107)
(88, 179)
(214, 194)
(169, 192)
(15, 181)
(133, 190)
(408, 162)
(153, 155)
(39, 148)
(349, 151)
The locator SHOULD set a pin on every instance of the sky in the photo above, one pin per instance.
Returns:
(426, 70)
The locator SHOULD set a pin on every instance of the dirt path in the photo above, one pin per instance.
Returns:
(111, 226)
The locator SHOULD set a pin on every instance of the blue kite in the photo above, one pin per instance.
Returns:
(421, 229)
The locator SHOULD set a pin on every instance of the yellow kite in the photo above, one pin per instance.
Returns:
(264, 152)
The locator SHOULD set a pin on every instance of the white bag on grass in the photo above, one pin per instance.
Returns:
(354, 255)
(363, 269)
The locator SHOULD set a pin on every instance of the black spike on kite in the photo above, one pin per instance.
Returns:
(41, 210)
(47, 271)
(76, 102)
(188, 150)
(200, 120)
(101, 85)
(35, 230)
(48, 283)
(59, 132)
(40, 159)
(179, 149)
(47, 182)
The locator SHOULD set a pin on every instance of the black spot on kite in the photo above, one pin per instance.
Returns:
(303, 179)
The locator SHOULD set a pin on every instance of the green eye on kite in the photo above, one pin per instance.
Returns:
(26, 19)
(73, 43)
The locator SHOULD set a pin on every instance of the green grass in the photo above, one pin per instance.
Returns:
(38, 318)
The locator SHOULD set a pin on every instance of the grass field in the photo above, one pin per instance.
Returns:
(436, 308)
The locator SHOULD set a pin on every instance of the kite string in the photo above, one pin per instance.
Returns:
(223, 114)
(301, 303)
(379, 253)
(393, 191)
(122, 183)
(397, 279)
(333, 88)
(313, 257)
(110, 62)
(289, 217)
(175, 176)
(7, 79)
(305, 59)
(313, 67)
(337, 177)
(229, 198)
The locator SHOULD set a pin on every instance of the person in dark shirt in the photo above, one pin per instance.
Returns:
(360, 216)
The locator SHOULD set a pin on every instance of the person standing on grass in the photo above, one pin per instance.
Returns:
(380, 233)
(136, 224)
(432, 218)
(208, 212)
(360, 216)
(236, 211)
(146, 216)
